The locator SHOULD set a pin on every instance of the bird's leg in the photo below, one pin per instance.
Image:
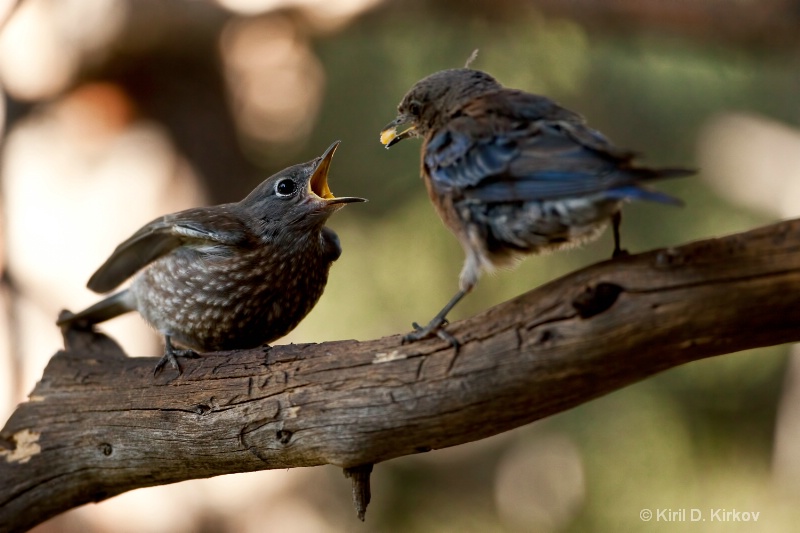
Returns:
(616, 220)
(171, 355)
(435, 325)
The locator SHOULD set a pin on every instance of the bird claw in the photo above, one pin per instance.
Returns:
(418, 334)
(434, 327)
(171, 356)
(449, 339)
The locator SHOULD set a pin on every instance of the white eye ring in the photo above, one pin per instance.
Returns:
(285, 188)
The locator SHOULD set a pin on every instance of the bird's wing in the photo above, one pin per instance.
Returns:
(196, 227)
(514, 146)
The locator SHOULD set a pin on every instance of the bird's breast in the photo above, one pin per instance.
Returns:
(235, 298)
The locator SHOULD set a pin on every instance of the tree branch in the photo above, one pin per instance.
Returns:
(99, 424)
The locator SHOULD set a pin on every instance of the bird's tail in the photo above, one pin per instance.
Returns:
(647, 174)
(640, 192)
(106, 309)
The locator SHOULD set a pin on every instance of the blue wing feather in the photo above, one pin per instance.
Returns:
(516, 147)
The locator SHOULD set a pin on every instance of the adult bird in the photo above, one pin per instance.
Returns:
(230, 276)
(512, 173)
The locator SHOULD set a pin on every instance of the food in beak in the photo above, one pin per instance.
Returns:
(390, 137)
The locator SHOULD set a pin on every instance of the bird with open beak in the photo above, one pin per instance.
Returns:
(230, 276)
(512, 173)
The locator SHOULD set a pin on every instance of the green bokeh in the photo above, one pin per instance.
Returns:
(699, 436)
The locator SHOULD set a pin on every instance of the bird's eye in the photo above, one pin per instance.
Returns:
(414, 108)
(286, 187)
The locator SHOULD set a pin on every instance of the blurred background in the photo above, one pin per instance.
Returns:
(118, 111)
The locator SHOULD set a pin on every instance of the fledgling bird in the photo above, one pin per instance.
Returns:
(512, 173)
(230, 276)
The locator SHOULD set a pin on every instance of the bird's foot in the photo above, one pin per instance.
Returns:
(619, 252)
(434, 327)
(170, 356)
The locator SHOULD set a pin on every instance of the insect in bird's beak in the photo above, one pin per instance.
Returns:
(389, 135)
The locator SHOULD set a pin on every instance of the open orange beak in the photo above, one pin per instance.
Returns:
(318, 184)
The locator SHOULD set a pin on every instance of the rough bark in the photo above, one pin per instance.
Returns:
(99, 424)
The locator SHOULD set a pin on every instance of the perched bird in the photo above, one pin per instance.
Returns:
(512, 173)
(230, 276)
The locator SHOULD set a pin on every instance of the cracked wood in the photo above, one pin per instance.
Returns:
(99, 424)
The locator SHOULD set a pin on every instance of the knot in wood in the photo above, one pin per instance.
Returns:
(594, 300)
(283, 436)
